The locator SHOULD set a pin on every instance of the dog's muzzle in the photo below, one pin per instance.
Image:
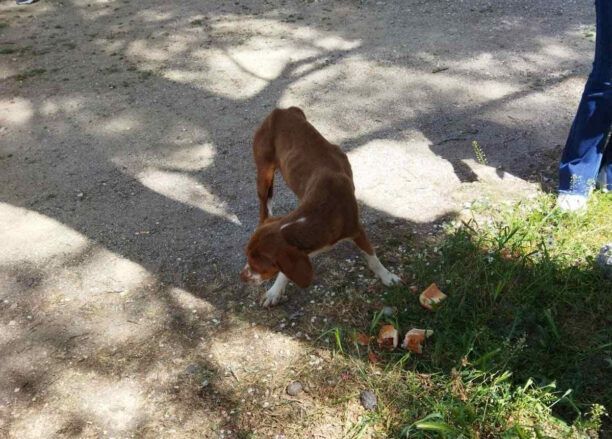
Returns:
(247, 276)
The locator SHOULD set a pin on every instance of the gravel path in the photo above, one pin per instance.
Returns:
(127, 185)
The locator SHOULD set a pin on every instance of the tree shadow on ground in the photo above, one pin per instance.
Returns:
(84, 153)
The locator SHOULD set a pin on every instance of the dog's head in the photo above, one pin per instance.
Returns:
(268, 253)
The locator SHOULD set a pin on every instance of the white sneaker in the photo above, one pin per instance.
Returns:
(571, 202)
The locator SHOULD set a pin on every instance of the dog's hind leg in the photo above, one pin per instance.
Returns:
(387, 278)
(265, 184)
(263, 152)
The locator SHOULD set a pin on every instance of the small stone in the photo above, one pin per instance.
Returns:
(368, 400)
(192, 369)
(388, 311)
(294, 389)
(12, 323)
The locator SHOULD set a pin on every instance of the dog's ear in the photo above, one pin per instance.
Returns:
(295, 265)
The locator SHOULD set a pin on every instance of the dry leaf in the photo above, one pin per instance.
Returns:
(388, 337)
(413, 341)
(457, 385)
(509, 255)
(362, 339)
(373, 357)
(431, 297)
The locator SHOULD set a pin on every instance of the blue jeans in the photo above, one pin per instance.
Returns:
(586, 151)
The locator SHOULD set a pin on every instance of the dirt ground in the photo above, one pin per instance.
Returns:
(127, 188)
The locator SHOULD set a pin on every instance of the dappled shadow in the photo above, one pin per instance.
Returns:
(128, 184)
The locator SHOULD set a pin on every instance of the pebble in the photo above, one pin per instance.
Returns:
(192, 369)
(296, 315)
(388, 311)
(294, 389)
(368, 400)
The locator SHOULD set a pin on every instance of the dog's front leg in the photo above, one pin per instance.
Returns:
(274, 294)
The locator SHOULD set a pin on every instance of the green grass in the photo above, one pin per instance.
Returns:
(522, 345)
(27, 74)
(7, 50)
(11, 49)
(589, 33)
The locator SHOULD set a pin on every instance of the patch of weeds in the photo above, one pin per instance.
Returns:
(27, 74)
(7, 50)
(472, 403)
(480, 155)
(3, 25)
(589, 33)
(364, 425)
(110, 70)
(198, 22)
(42, 51)
(336, 333)
(521, 346)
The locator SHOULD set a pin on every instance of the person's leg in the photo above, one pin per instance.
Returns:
(587, 139)
(604, 181)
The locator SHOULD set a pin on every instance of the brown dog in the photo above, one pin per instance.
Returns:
(319, 173)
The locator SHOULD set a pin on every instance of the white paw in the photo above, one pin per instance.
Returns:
(269, 205)
(389, 279)
(272, 297)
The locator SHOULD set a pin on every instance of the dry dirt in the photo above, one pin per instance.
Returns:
(127, 189)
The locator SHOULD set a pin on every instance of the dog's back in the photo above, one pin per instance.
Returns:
(299, 151)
